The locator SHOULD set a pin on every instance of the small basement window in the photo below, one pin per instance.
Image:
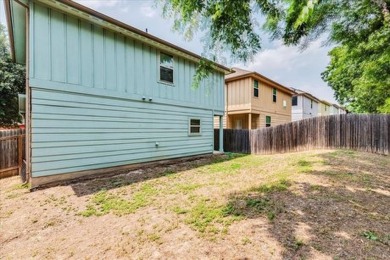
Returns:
(294, 101)
(274, 95)
(256, 88)
(195, 126)
(267, 121)
(166, 68)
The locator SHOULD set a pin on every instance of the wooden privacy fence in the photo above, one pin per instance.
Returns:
(12, 151)
(368, 133)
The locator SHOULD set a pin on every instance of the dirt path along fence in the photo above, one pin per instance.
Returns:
(368, 133)
(12, 151)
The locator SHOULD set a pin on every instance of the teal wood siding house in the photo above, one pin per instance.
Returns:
(102, 94)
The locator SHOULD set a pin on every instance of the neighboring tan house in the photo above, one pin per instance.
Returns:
(255, 101)
(304, 105)
(103, 94)
(324, 108)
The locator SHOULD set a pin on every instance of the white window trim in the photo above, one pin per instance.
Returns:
(189, 126)
(172, 84)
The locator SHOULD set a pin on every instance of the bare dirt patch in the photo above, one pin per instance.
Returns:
(310, 205)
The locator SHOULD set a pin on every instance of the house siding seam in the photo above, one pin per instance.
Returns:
(87, 86)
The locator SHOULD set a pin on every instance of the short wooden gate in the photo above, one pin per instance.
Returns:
(12, 152)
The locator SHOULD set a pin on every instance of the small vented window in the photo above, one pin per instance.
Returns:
(194, 126)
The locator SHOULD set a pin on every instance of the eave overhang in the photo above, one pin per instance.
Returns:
(105, 21)
(16, 15)
(262, 79)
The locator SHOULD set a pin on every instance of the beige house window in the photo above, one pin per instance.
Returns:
(274, 95)
(267, 121)
(256, 88)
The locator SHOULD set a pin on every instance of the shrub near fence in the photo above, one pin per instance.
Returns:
(12, 151)
(359, 132)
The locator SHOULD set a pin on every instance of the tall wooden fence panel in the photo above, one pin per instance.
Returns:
(368, 133)
(12, 151)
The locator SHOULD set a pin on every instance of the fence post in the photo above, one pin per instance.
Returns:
(20, 154)
(221, 146)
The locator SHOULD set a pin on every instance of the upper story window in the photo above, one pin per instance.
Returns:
(274, 95)
(294, 101)
(284, 104)
(311, 103)
(267, 121)
(326, 107)
(255, 88)
(166, 68)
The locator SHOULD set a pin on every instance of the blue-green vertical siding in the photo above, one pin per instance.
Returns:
(87, 85)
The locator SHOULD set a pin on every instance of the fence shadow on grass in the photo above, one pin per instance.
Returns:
(128, 177)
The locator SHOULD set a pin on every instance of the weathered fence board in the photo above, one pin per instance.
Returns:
(368, 133)
(12, 150)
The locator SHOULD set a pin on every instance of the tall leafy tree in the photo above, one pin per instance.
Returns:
(359, 29)
(12, 82)
(360, 74)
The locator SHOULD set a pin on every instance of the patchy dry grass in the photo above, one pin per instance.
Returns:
(310, 205)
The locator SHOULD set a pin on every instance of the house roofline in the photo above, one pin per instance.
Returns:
(129, 28)
(306, 94)
(262, 77)
(326, 102)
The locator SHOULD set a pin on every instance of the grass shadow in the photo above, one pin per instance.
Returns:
(311, 220)
(127, 177)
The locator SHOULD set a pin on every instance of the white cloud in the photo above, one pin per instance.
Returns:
(95, 4)
(284, 58)
(148, 10)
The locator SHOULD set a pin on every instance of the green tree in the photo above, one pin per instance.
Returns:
(359, 29)
(12, 82)
(360, 74)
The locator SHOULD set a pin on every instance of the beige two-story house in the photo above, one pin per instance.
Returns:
(254, 101)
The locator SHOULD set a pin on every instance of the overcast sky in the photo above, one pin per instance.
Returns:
(286, 65)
